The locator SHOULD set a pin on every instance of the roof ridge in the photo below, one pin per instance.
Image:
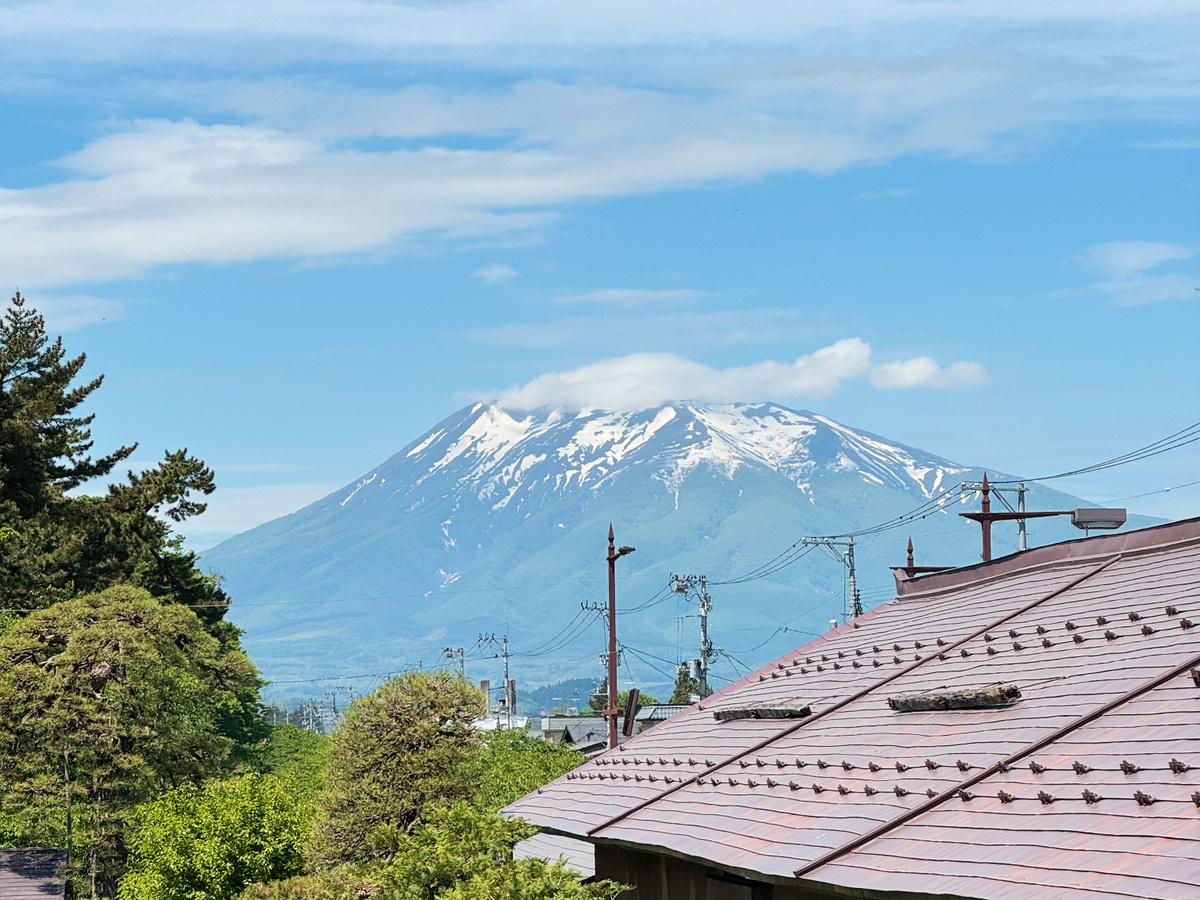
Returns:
(1138, 542)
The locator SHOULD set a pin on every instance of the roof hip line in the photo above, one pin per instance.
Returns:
(995, 767)
(754, 748)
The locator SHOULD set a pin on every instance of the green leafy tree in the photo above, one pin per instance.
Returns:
(598, 700)
(104, 700)
(408, 742)
(296, 755)
(210, 843)
(460, 852)
(54, 546)
(532, 879)
(513, 764)
(686, 686)
(456, 843)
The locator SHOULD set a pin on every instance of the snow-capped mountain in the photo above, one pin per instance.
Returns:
(521, 460)
(495, 521)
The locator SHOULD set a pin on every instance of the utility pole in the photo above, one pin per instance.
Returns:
(611, 710)
(508, 691)
(508, 686)
(855, 600)
(683, 584)
(985, 517)
(834, 546)
(1021, 544)
(453, 653)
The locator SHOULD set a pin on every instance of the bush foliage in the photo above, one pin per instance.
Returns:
(210, 843)
(512, 764)
(460, 852)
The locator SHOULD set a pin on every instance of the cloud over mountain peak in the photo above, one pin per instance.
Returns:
(643, 380)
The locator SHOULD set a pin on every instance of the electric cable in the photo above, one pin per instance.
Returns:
(1181, 438)
(1165, 490)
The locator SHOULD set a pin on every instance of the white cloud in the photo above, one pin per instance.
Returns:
(496, 273)
(175, 192)
(1120, 259)
(922, 371)
(649, 97)
(303, 30)
(1130, 282)
(643, 380)
(632, 296)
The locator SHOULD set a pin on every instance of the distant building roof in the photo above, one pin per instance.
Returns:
(585, 730)
(32, 873)
(498, 722)
(1087, 785)
(657, 712)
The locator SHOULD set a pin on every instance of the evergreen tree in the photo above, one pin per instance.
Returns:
(686, 686)
(409, 742)
(43, 443)
(54, 546)
(105, 700)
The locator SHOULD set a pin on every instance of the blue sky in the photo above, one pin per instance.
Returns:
(296, 235)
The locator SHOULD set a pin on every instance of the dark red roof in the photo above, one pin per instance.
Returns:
(1087, 786)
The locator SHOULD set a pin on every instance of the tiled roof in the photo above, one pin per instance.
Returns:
(1087, 786)
(585, 730)
(32, 873)
(580, 856)
(659, 712)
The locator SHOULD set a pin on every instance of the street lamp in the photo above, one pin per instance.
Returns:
(1083, 519)
(1099, 519)
(614, 553)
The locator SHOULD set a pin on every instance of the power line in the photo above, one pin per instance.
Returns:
(664, 593)
(1181, 438)
(562, 643)
(792, 554)
(1151, 493)
(647, 662)
(347, 677)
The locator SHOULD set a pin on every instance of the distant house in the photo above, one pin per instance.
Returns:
(1026, 728)
(555, 727)
(32, 873)
(651, 715)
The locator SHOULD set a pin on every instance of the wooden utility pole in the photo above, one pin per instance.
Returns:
(610, 708)
(611, 711)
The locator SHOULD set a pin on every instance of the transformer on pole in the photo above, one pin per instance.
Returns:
(835, 546)
(683, 584)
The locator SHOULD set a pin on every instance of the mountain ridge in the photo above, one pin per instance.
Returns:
(478, 524)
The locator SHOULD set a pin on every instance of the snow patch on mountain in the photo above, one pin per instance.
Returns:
(505, 458)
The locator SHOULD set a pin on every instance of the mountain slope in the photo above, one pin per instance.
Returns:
(495, 521)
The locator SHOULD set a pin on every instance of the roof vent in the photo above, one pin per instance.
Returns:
(969, 698)
(761, 712)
